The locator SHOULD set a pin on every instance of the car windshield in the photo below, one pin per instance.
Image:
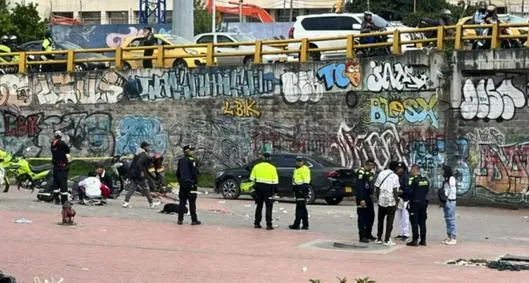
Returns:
(175, 39)
(243, 37)
(68, 45)
(380, 22)
(325, 162)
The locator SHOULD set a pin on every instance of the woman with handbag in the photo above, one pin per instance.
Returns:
(449, 191)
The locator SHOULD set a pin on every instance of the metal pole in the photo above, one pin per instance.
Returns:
(415, 6)
(213, 20)
(290, 18)
(368, 6)
(523, 8)
(183, 19)
(240, 11)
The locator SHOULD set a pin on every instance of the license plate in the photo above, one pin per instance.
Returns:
(348, 189)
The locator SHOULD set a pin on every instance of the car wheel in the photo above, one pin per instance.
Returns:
(180, 64)
(230, 189)
(333, 200)
(248, 60)
(311, 195)
(315, 55)
(79, 68)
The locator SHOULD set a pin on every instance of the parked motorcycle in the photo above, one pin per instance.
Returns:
(155, 179)
(505, 43)
(26, 175)
(120, 168)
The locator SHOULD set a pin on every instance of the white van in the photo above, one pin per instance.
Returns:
(336, 24)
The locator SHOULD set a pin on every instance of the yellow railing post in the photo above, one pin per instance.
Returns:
(350, 52)
(70, 58)
(459, 37)
(440, 38)
(118, 58)
(210, 59)
(22, 60)
(396, 42)
(159, 56)
(303, 54)
(258, 57)
(495, 37)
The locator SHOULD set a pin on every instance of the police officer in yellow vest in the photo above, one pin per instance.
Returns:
(416, 192)
(264, 174)
(300, 184)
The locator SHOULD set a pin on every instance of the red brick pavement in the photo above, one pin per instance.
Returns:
(119, 250)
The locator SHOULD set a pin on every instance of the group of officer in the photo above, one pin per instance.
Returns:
(414, 193)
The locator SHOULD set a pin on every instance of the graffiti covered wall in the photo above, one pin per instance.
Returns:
(346, 111)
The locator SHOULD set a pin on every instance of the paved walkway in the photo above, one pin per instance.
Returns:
(109, 249)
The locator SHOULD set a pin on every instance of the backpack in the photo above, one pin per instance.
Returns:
(441, 194)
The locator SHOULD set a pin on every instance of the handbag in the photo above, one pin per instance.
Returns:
(441, 194)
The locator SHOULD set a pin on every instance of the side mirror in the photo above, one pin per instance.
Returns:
(356, 27)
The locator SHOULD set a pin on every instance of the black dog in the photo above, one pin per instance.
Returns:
(171, 208)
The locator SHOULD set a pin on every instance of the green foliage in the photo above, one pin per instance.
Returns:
(402, 10)
(364, 280)
(23, 21)
(344, 280)
(202, 17)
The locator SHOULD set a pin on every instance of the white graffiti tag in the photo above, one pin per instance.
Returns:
(301, 87)
(382, 147)
(488, 102)
(396, 77)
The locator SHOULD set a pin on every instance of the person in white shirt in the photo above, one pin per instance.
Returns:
(449, 208)
(402, 211)
(386, 186)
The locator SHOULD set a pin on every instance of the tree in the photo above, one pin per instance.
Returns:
(202, 17)
(23, 21)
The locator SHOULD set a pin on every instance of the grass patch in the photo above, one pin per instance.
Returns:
(83, 167)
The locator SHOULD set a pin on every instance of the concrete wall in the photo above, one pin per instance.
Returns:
(416, 108)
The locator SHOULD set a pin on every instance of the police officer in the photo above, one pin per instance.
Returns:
(416, 192)
(264, 174)
(60, 153)
(187, 176)
(364, 202)
(300, 184)
(48, 44)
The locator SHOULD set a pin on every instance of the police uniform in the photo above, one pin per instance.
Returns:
(264, 174)
(366, 215)
(416, 192)
(300, 184)
(187, 176)
(60, 152)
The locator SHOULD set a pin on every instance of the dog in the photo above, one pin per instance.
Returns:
(171, 208)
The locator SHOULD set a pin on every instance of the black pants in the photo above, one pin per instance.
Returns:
(418, 217)
(302, 215)
(263, 195)
(366, 218)
(148, 62)
(382, 213)
(185, 195)
(60, 184)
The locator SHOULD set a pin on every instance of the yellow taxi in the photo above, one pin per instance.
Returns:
(168, 40)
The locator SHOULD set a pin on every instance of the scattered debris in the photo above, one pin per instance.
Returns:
(470, 262)
(304, 269)
(22, 221)
(51, 280)
(526, 217)
(501, 264)
(85, 268)
(285, 212)
(222, 201)
(247, 216)
(247, 205)
(103, 230)
(352, 216)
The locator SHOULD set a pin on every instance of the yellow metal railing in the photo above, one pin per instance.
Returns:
(457, 35)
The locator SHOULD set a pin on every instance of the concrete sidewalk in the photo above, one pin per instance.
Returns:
(103, 249)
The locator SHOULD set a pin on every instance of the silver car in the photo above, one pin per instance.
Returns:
(227, 37)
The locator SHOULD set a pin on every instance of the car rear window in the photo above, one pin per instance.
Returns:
(329, 23)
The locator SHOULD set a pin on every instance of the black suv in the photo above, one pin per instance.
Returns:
(328, 180)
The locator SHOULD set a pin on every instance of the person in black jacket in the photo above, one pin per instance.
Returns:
(187, 176)
(149, 40)
(416, 193)
(60, 153)
(139, 168)
(364, 202)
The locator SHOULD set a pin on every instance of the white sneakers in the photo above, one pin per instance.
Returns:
(125, 205)
(389, 243)
(154, 204)
(378, 241)
(450, 241)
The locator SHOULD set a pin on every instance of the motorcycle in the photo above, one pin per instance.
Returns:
(155, 178)
(505, 43)
(120, 168)
(373, 51)
(25, 175)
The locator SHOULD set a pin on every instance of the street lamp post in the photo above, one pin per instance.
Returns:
(213, 20)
